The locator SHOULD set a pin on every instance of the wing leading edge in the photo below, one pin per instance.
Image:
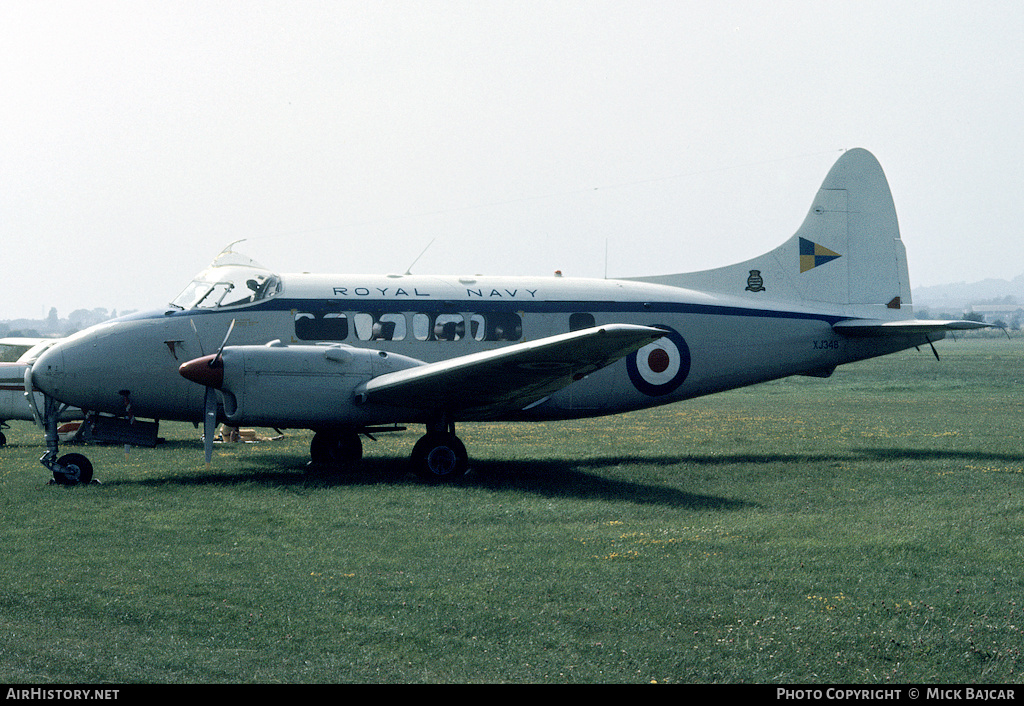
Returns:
(507, 379)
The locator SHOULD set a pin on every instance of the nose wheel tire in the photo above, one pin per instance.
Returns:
(440, 457)
(72, 469)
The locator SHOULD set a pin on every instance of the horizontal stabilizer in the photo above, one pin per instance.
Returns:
(878, 327)
(510, 378)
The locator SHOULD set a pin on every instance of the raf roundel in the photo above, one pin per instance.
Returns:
(660, 367)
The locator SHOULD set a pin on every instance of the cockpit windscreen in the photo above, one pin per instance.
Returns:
(219, 287)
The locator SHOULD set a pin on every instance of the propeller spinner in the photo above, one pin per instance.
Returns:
(207, 371)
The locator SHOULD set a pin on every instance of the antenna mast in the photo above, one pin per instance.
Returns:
(409, 270)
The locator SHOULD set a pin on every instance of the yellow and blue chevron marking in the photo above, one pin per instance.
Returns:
(813, 255)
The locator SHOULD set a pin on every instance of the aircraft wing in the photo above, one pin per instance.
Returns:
(879, 327)
(14, 348)
(510, 378)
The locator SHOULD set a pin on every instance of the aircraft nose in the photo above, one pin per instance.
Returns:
(48, 371)
(207, 371)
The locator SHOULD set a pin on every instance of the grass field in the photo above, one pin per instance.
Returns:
(865, 528)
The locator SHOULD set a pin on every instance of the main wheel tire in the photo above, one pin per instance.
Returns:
(75, 469)
(440, 458)
(336, 448)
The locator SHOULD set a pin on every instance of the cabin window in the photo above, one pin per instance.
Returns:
(422, 326)
(379, 327)
(497, 326)
(321, 327)
(449, 327)
(363, 325)
(391, 327)
(438, 327)
(580, 321)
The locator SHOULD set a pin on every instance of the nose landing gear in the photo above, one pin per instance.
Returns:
(69, 469)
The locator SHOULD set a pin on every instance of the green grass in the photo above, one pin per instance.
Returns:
(865, 528)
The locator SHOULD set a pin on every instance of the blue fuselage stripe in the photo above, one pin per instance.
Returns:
(483, 305)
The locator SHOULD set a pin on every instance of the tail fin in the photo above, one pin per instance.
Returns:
(848, 251)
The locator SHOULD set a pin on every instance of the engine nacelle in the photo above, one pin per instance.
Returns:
(299, 386)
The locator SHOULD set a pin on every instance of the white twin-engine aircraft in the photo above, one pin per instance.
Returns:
(345, 355)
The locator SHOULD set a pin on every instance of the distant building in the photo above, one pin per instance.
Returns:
(1007, 313)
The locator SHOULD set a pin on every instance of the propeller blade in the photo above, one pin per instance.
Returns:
(208, 370)
(199, 339)
(209, 422)
(225, 343)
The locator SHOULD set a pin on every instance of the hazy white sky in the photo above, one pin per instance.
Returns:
(137, 139)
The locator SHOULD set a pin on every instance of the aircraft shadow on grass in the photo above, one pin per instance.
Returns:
(578, 478)
(547, 477)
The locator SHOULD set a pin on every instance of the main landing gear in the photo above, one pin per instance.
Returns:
(336, 447)
(438, 457)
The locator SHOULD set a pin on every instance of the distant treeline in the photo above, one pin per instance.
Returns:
(54, 325)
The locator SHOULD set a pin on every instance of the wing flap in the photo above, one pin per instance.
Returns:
(509, 378)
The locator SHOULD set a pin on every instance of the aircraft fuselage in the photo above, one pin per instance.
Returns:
(715, 342)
